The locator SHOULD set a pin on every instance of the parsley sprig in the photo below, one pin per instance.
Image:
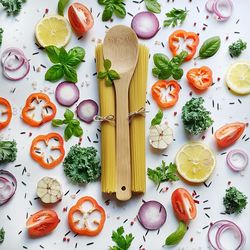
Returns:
(109, 74)
(175, 17)
(236, 48)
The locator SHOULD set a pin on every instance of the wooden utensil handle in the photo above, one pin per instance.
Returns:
(123, 186)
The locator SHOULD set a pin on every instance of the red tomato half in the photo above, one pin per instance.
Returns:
(229, 133)
(183, 205)
(41, 223)
(80, 18)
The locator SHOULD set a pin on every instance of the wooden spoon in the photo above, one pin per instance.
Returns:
(121, 48)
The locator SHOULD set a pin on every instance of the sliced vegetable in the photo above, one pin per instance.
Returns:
(87, 110)
(209, 47)
(175, 17)
(152, 215)
(40, 146)
(87, 217)
(42, 223)
(182, 36)
(200, 78)
(234, 201)
(2, 235)
(8, 151)
(80, 18)
(145, 24)
(163, 100)
(175, 237)
(82, 165)
(235, 156)
(47, 110)
(49, 190)
(160, 136)
(67, 93)
(209, 6)
(6, 113)
(229, 134)
(221, 226)
(8, 185)
(183, 205)
(222, 9)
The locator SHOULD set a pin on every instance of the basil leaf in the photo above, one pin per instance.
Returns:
(156, 72)
(102, 75)
(68, 115)
(57, 122)
(53, 53)
(61, 6)
(120, 10)
(153, 6)
(160, 60)
(54, 73)
(70, 73)
(75, 56)
(157, 119)
(210, 47)
(75, 122)
(107, 13)
(177, 236)
(63, 56)
(107, 64)
(102, 2)
(108, 82)
(113, 75)
(68, 133)
(177, 73)
(77, 131)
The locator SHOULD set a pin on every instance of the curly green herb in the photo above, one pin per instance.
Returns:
(12, 7)
(8, 151)
(236, 48)
(175, 17)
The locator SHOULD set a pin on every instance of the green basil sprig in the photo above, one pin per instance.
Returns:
(65, 63)
(61, 6)
(210, 47)
(153, 6)
(176, 236)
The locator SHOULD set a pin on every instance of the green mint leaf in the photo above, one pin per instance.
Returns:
(160, 60)
(102, 75)
(55, 73)
(113, 75)
(107, 64)
(175, 17)
(57, 122)
(68, 115)
(119, 10)
(61, 6)
(210, 47)
(157, 119)
(53, 53)
(77, 131)
(70, 73)
(68, 133)
(107, 13)
(177, 236)
(153, 6)
(75, 56)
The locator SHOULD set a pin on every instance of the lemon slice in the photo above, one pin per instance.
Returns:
(238, 77)
(53, 30)
(195, 162)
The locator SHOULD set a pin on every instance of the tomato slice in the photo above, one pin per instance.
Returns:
(229, 134)
(41, 223)
(80, 18)
(183, 205)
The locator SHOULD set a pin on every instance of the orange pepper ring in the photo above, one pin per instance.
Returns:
(86, 230)
(28, 107)
(40, 158)
(8, 112)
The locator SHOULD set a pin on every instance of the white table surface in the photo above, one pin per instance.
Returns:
(19, 32)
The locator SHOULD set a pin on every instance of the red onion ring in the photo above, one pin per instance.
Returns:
(11, 68)
(10, 183)
(209, 6)
(232, 166)
(218, 9)
(222, 226)
(11, 50)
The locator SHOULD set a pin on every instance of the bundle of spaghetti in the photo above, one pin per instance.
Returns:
(137, 100)
(108, 142)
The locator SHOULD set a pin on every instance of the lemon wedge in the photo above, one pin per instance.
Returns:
(238, 77)
(195, 162)
(53, 30)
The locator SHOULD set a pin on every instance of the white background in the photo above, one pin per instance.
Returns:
(19, 32)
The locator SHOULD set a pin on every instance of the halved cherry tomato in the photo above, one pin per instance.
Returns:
(41, 223)
(229, 134)
(200, 78)
(6, 113)
(183, 205)
(162, 99)
(80, 18)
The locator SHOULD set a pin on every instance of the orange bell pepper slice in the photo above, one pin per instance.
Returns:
(29, 107)
(174, 43)
(162, 99)
(6, 112)
(200, 78)
(40, 157)
(78, 217)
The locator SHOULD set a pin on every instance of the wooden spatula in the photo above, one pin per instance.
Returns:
(121, 48)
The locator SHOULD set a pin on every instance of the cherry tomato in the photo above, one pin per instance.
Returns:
(41, 223)
(183, 205)
(80, 18)
(229, 134)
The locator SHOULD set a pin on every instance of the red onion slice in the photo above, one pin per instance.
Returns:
(223, 9)
(222, 226)
(67, 93)
(7, 65)
(209, 6)
(230, 160)
(87, 110)
(152, 215)
(8, 185)
(145, 24)
(10, 51)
